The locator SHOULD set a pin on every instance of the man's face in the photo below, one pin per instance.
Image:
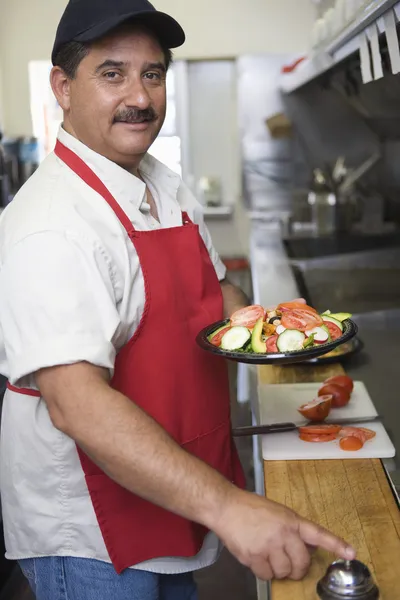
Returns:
(117, 101)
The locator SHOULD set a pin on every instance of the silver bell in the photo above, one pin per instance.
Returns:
(346, 579)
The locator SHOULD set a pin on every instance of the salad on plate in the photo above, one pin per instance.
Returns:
(287, 327)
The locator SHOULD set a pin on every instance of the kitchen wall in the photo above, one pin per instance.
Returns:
(215, 28)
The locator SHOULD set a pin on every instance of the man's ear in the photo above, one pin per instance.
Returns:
(61, 86)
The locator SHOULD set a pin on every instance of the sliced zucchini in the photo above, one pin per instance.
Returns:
(257, 343)
(333, 320)
(341, 316)
(235, 339)
(291, 340)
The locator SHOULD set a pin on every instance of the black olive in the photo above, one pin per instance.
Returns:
(273, 319)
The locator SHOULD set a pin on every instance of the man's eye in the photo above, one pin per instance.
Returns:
(153, 76)
(111, 75)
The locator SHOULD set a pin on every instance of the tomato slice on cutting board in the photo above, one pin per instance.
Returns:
(362, 433)
(316, 438)
(351, 443)
(324, 429)
(316, 410)
(247, 316)
(369, 433)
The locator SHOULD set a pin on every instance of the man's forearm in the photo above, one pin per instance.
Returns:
(136, 452)
(234, 298)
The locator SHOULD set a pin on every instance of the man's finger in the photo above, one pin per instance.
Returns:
(299, 555)
(314, 535)
(262, 569)
(280, 563)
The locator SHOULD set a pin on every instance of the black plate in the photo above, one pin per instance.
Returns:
(354, 346)
(350, 329)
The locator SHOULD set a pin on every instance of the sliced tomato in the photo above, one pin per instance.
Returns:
(295, 304)
(342, 380)
(329, 437)
(369, 433)
(351, 444)
(334, 330)
(271, 344)
(362, 433)
(341, 396)
(247, 316)
(302, 320)
(216, 340)
(316, 410)
(323, 429)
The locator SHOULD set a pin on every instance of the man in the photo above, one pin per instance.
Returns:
(119, 474)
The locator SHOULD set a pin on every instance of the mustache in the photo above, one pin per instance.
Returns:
(135, 115)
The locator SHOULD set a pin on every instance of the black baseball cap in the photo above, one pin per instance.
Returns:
(89, 20)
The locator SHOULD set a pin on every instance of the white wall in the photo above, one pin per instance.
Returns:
(215, 28)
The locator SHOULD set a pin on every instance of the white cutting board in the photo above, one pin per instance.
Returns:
(279, 403)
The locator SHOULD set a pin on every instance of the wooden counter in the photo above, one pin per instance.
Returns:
(352, 498)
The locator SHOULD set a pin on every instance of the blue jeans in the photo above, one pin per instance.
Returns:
(58, 578)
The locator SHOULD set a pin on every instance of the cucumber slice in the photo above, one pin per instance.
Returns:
(341, 316)
(321, 334)
(333, 320)
(291, 340)
(257, 344)
(235, 339)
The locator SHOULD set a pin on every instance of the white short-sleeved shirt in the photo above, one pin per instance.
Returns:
(71, 289)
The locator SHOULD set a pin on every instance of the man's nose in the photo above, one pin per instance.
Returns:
(137, 94)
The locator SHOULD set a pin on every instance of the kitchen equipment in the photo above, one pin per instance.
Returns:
(346, 579)
(323, 204)
(209, 191)
(4, 182)
(279, 403)
(280, 358)
(28, 157)
(283, 427)
(340, 354)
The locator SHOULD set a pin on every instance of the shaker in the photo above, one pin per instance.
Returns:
(347, 580)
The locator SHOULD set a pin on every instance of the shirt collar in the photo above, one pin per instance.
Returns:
(121, 183)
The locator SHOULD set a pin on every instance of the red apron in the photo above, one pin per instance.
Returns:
(163, 371)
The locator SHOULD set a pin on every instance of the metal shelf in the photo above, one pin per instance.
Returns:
(338, 49)
(218, 212)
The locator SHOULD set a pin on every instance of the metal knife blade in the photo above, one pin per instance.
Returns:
(282, 427)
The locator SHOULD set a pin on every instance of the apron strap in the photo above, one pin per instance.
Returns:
(79, 167)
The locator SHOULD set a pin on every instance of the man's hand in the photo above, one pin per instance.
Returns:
(270, 539)
(234, 298)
